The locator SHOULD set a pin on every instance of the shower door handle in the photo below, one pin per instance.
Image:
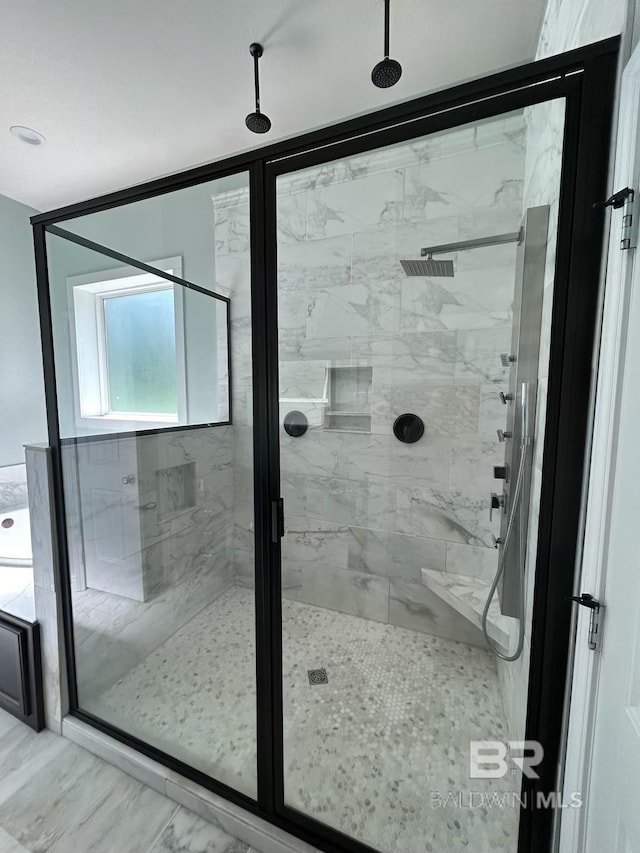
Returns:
(277, 520)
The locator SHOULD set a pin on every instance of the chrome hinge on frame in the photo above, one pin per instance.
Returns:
(595, 619)
(625, 199)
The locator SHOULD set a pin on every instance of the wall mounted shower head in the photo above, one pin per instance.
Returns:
(387, 72)
(257, 122)
(428, 267)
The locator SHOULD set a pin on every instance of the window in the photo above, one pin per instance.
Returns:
(128, 337)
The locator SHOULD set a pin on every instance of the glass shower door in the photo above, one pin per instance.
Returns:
(400, 276)
(151, 316)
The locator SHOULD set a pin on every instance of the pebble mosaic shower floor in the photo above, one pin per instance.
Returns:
(380, 752)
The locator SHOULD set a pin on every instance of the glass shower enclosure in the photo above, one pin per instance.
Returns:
(309, 410)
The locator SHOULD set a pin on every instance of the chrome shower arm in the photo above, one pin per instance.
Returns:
(479, 243)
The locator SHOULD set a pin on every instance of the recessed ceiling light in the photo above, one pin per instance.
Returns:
(26, 134)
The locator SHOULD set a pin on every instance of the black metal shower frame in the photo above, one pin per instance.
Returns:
(585, 79)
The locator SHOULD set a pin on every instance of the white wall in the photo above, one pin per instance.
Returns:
(22, 407)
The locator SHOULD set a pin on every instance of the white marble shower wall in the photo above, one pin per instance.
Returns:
(233, 279)
(365, 513)
(173, 521)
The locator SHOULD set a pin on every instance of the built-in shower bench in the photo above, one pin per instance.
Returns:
(467, 595)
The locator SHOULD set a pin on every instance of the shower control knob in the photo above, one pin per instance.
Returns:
(497, 541)
(497, 502)
(505, 398)
(128, 480)
(503, 435)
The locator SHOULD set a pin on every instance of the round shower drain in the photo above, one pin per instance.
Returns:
(7, 522)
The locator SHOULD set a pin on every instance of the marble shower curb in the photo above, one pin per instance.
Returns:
(260, 835)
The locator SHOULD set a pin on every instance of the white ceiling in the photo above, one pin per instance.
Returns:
(128, 90)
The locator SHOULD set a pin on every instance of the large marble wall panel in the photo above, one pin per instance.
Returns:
(362, 507)
(47, 589)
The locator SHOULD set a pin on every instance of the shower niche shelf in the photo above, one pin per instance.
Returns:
(349, 393)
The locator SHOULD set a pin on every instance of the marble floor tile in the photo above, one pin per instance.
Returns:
(9, 844)
(57, 798)
(188, 833)
(363, 753)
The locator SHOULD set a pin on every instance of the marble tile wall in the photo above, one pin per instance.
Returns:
(365, 512)
(177, 527)
(233, 279)
(47, 588)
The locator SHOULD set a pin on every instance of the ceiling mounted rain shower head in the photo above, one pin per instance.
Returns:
(257, 122)
(388, 71)
(428, 267)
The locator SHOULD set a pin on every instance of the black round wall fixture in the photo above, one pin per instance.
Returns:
(295, 424)
(408, 428)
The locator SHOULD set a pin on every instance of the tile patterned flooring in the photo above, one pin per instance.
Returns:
(57, 798)
(373, 753)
